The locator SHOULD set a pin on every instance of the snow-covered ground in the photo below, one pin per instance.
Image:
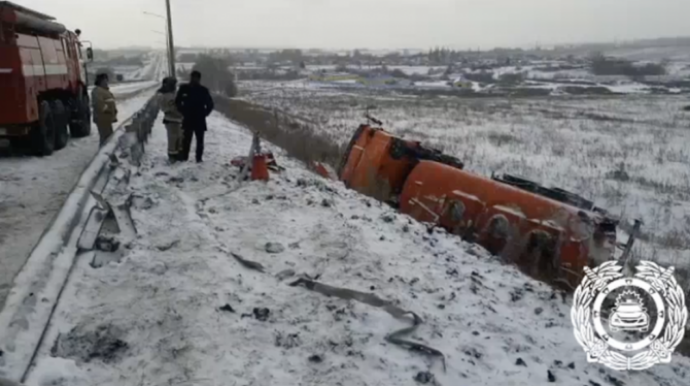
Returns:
(178, 309)
(32, 191)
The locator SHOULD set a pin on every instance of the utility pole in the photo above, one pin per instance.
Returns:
(171, 44)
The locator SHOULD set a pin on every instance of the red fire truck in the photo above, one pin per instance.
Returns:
(43, 85)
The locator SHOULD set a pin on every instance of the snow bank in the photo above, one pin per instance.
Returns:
(179, 309)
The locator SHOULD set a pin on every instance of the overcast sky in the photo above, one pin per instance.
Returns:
(370, 23)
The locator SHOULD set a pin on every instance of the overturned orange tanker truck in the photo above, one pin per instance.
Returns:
(549, 233)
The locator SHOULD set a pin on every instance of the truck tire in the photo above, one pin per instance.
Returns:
(80, 124)
(43, 133)
(60, 118)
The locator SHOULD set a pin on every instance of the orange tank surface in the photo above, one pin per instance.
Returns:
(549, 239)
(377, 163)
(370, 167)
(549, 233)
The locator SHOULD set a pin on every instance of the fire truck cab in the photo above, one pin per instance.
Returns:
(43, 80)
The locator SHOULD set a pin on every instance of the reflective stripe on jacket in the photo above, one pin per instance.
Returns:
(166, 102)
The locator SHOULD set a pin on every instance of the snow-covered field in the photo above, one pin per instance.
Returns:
(559, 76)
(179, 310)
(32, 191)
(629, 154)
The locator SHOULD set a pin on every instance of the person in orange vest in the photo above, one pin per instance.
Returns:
(104, 108)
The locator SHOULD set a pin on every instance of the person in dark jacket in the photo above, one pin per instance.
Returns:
(195, 103)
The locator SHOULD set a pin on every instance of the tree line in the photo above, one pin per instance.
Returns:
(215, 74)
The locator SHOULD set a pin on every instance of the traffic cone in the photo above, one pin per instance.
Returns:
(259, 168)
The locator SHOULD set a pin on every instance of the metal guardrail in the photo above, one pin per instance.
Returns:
(137, 132)
(24, 321)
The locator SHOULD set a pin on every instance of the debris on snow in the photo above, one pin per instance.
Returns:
(388, 218)
(372, 300)
(274, 247)
(316, 358)
(107, 244)
(248, 263)
(227, 308)
(261, 314)
(551, 377)
(285, 274)
(287, 341)
(424, 377)
(86, 343)
(168, 246)
(614, 381)
(143, 203)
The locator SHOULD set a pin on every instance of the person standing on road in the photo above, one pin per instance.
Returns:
(172, 118)
(104, 108)
(195, 103)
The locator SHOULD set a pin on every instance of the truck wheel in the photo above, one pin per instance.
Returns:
(60, 119)
(80, 125)
(43, 134)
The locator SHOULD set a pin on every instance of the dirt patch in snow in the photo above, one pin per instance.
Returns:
(86, 343)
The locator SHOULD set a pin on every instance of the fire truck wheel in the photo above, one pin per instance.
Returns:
(43, 133)
(80, 125)
(60, 119)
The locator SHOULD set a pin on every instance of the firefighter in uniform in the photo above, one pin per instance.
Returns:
(172, 118)
(104, 108)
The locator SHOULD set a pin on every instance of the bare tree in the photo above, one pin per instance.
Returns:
(216, 74)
